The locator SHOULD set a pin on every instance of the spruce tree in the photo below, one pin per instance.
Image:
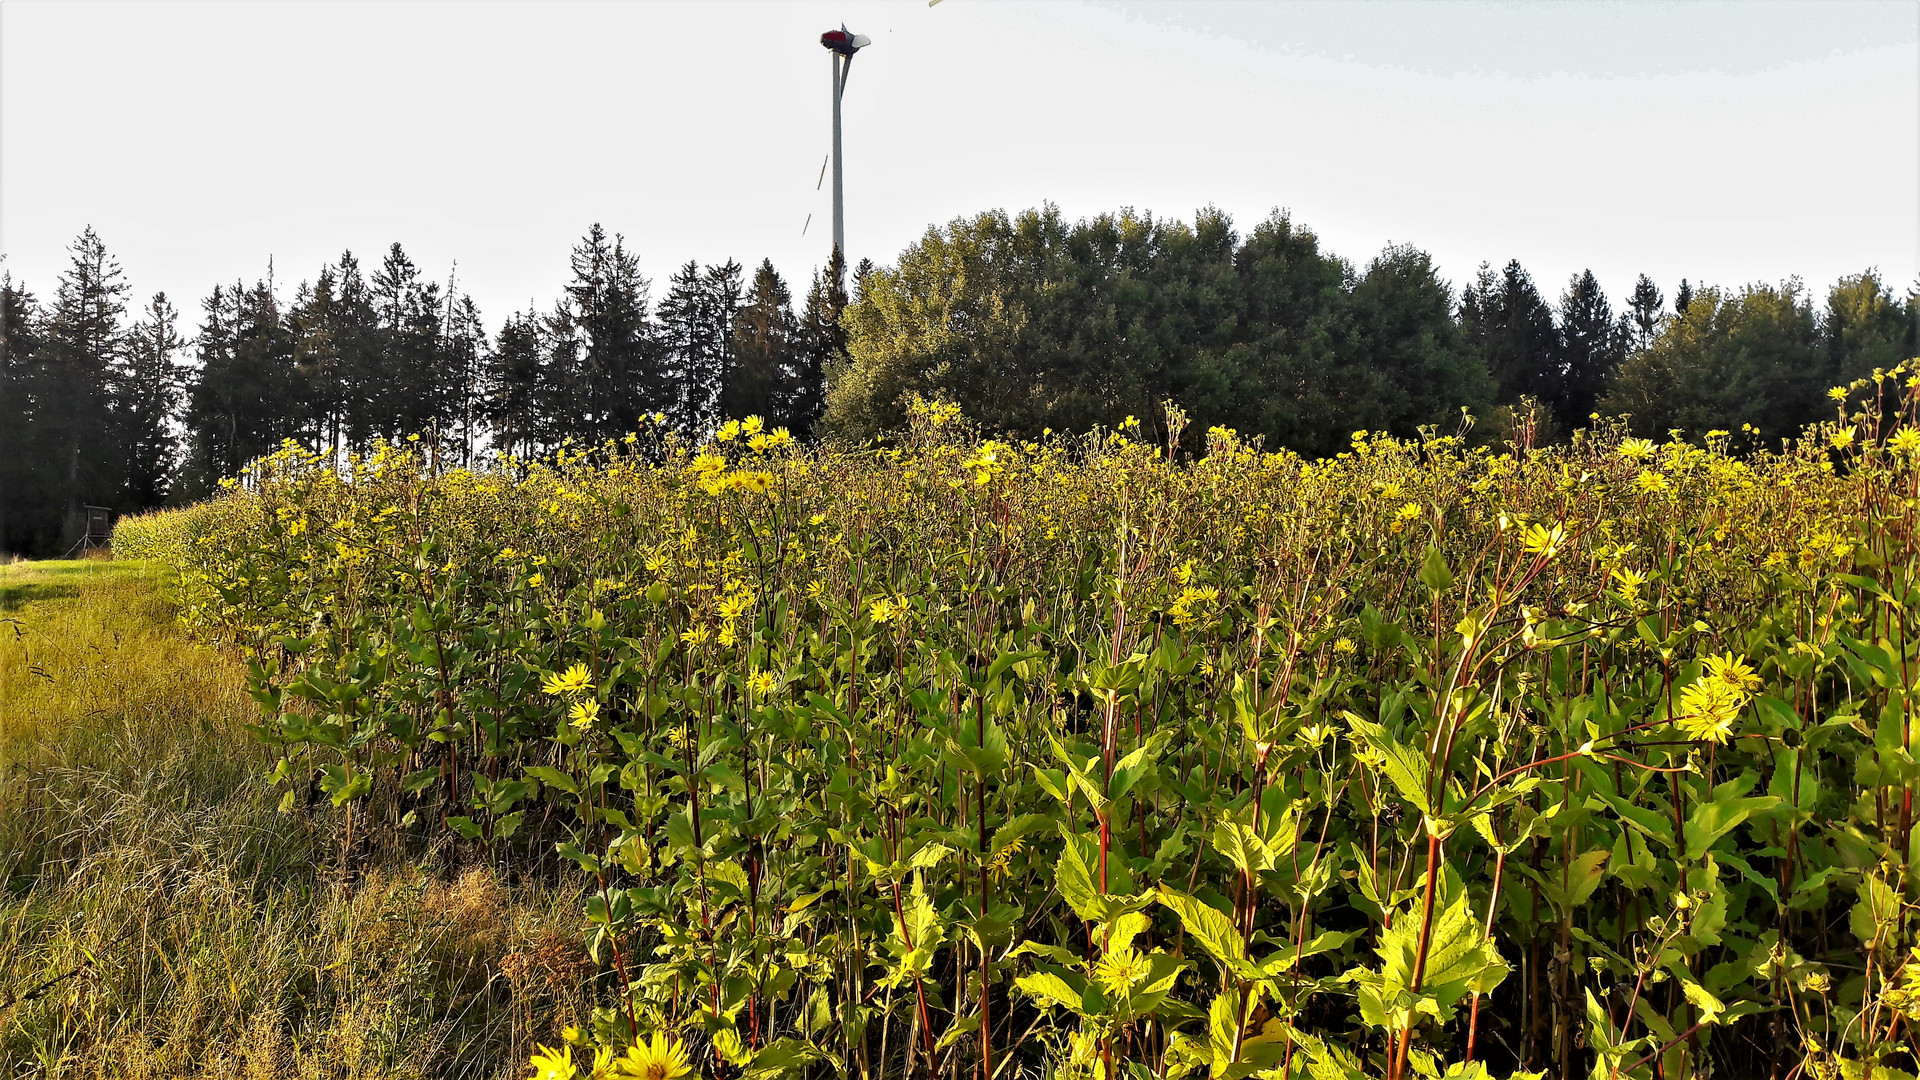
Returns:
(409, 390)
(515, 385)
(1511, 328)
(84, 338)
(243, 398)
(687, 349)
(720, 295)
(313, 320)
(1590, 348)
(1683, 298)
(1644, 309)
(464, 353)
(21, 498)
(358, 385)
(766, 342)
(822, 346)
(616, 376)
(147, 398)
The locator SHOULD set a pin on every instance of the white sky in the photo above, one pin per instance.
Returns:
(1725, 143)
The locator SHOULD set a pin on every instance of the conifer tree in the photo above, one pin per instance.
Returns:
(20, 497)
(147, 398)
(1590, 348)
(608, 341)
(515, 385)
(720, 295)
(84, 337)
(688, 347)
(242, 401)
(1683, 298)
(356, 337)
(766, 340)
(1644, 309)
(464, 349)
(1425, 370)
(408, 389)
(1511, 328)
(822, 346)
(314, 322)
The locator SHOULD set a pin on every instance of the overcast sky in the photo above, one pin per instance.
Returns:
(1725, 143)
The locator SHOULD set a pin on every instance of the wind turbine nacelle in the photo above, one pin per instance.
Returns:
(844, 43)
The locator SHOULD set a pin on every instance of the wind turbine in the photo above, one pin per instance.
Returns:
(840, 46)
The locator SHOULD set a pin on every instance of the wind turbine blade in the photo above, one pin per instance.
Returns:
(823, 171)
(803, 228)
(861, 41)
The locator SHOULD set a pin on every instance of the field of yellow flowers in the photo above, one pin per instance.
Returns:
(1133, 756)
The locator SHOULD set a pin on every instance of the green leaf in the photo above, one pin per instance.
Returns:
(1433, 571)
(554, 778)
(1712, 820)
(1051, 988)
(1405, 767)
(1214, 931)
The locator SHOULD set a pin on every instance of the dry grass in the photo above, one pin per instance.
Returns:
(161, 919)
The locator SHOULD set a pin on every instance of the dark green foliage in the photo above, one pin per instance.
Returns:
(1644, 310)
(1727, 362)
(1033, 322)
(244, 399)
(20, 494)
(1591, 345)
(822, 345)
(1865, 328)
(605, 357)
(766, 339)
(516, 385)
(84, 337)
(1420, 365)
(151, 381)
(1511, 328)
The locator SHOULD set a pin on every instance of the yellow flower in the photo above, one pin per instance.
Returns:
(551, 1064)
(1842, 439)
(1409, 512)
(1343, 646)
(1649, 482)
(572, 681)
(882, 611)
(1905, 441)
(763, 682)
(1630, 582)
(1121, 970)
(584, 713)
(1636, 449)
(656, 1059)
(1733, 671)
(1711, 704)
(1542, 541)
(728, 432)
(1002, 865)
(536, 580)
(1838, 393)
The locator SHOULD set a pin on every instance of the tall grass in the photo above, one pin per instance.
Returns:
(161, 917)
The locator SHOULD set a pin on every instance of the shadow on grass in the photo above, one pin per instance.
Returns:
(26, 583)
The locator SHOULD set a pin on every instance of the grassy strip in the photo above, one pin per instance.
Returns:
(161, 918)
